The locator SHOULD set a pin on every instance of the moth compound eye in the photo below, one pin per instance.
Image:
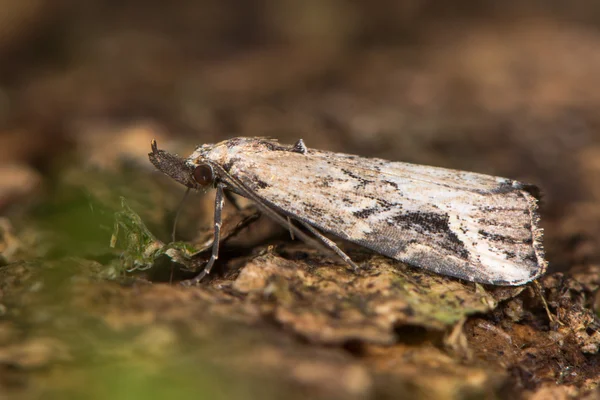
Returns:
(203, 174)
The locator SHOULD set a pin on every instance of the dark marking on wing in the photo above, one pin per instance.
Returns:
(233, 142)
(274, 146)
(229, 164)
(362, 181)
(392, 184)
(432, 224)
(324, 181)
(494, 237)
(312, 209)
(493, 222)
(387, 205)
(367, 212)
(261, 184)
(493, 209)
(429, 222)
(347, 201)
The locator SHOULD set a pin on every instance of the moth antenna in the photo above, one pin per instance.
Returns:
(179, 207)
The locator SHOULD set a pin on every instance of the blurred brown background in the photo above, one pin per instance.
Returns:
(506, 88)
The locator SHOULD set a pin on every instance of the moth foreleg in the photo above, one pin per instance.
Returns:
(331, 245)
(290, 228)
(219, 198)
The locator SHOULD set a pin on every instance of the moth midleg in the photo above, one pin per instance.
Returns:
(290, 228)
(270, 212)
(321, 242)
(231, 198)
(219, 199)
(330, 245)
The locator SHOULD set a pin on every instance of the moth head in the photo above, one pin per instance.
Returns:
(193, 176)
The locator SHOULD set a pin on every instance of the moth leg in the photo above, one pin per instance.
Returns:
(217, 235)
(331, 245)
(230, 198)
(290, 228)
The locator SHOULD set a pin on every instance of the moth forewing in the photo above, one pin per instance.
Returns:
(462, 224)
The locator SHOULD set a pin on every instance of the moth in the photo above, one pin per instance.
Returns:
(466, 225)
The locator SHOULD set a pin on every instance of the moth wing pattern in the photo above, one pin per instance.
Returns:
(468, 225)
